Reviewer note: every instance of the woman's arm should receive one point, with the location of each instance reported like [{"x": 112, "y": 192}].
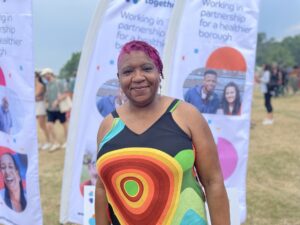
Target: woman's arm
[
  {"x": 207, "y": 164},
  {"x": 39, "y": 90},
  {"x": 101, "y": 204}
]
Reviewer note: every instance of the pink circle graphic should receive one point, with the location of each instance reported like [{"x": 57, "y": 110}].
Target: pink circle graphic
[
  {"x": 228, "y": 157},
  {"x": 2, "y": 78}
]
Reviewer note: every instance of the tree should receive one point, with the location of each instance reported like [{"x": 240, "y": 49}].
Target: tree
[
  {"x": 71, "y": 66},
  {"x": 293, "y": 44},
  {"x": 271, "y": 51}
]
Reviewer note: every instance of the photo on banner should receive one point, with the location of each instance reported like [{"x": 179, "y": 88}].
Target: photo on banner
[
  {"x": 13, "y": 169},
  {"x": 109, "y": 97},
  {"x": 218, "y": 88},
  {"x": 19, "y": 178},
  {"x": 11, "y": 107},
  {"x": 211, "y": 65}
]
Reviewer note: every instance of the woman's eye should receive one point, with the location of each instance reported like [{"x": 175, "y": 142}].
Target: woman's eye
[
  {"x": 126, "y": 72},
  {"x": 148, "y": 69}
]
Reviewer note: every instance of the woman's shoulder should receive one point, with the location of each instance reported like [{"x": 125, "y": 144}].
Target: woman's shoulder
[
  {"x": 105, "y": 126},
  {"x": 187, "y": 108},
  {"x": 187, "y": 115}
]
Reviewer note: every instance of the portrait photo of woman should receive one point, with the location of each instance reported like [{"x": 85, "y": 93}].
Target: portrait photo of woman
[
  {"x": 231, "y": 100},
  {"x": 13, "y": 192}
]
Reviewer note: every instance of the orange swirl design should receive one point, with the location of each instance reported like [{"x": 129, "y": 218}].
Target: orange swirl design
[{"x": 155, "y": 182}]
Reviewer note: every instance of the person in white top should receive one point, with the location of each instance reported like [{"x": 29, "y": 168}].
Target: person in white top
[
  {"x": 264, "y": 80},
  {"x": 40, "y": 108}
]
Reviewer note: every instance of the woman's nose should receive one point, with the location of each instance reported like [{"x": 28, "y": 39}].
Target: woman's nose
[{"x": 138, "y": 75}]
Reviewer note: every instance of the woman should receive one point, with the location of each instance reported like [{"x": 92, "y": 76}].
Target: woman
[
  {"x": 231, "y": 101},
  {"x": 14, "y": 195},
  {"x": 40, "y": 108},
  {"x": 267, "y": 92},
  {"x": 148, "y": 149}
]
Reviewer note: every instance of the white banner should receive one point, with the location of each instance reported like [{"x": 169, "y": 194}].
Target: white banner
[
  {"x": 97, "y": 92},
  {"x": 19, "y": 184},
  {"x": 212, "y": 68}
]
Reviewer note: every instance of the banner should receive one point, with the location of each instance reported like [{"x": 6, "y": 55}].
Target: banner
[
  {"x": 97, "y": 91},
  {"x": 19, "y": 183},
  {"x": 211, "y": 65}
]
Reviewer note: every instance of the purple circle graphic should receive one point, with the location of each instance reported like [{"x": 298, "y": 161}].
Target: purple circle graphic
[{"x": 228, "y": 157}]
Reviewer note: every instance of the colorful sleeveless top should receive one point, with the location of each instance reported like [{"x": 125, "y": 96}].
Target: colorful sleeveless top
[{"x": 149, "y": 177}]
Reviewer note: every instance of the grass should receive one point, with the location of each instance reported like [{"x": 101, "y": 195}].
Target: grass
[{"x": 273, "y": 180}]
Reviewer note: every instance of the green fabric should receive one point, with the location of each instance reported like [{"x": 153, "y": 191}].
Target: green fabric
[
  {"x": 131, "y": 188},
  {"x": 189, "y": 199},
  {"x": 186, "y": 159}
]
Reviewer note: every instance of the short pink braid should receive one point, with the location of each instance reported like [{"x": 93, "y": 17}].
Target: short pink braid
[{"x": 150, "y": 51}]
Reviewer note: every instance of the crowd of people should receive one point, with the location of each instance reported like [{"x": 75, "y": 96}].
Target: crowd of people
[
  {"x": 50, "y": 92},
  {"x": 275, "y": 82}
]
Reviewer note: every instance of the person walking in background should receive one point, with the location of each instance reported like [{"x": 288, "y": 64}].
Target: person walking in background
[
  {"x": 204, "y": 98},
  {"x": 231, "y": 100},
  {"x": 40, "y": 108},
  {"x": 275, "y": 79},
  {"x": 55, "y": 92},
  {"x": 294, "y": 76},
  {"x": 267, "y": 92},
  {"x": 5, "y": 117}
]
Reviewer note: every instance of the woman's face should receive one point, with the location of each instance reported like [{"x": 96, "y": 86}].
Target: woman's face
[
  {"x": 230, "y": 94},
  {"x": 9, "y": 172},
  {"x": 139, "y": 77}
]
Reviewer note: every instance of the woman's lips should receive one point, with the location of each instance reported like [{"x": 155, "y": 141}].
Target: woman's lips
[
  {"x": 9, "y": 180},
  {"x": 139, "y": 87}
]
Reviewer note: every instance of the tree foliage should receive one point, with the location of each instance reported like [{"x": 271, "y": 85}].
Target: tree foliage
[
  {"x": 71, "y": 66},
  {"x": 285, "y": 52}
]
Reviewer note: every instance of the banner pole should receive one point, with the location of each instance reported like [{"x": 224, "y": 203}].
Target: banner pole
[
  {"x": 86, "y": 54},
  {"x": 170, "y": 44}
]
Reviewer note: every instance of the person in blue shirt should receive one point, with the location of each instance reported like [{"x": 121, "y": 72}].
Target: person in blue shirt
[
  {"x": 5, "y": 117},
  {"x": 109, "y": 103},
  {"x": 203, "y": 97}
]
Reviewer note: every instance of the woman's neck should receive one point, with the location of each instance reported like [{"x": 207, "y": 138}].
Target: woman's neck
[
  {"x": 15, "y": 199},
  {"x": 148, "y": 107},
  {"x": 15, "y": 194},
  {"x": 230, "y": 107}
]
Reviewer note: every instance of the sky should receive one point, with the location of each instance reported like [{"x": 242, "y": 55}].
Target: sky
[{"x": 60, "y": 26}]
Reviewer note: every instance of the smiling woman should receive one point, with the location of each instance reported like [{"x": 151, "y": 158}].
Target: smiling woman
[
  {"x": 149, "y": 148},
  {"x": 231, "y": 100},
  {"x": 13, "y": 193}
]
